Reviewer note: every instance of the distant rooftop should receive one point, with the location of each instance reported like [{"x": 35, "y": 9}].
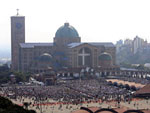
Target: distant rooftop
[
  {"x": 128, "y": 69},
  {"x": 32, "y": 45},
  {"x": 17, "y": 16},
  {"x": 106, "y": 44}
]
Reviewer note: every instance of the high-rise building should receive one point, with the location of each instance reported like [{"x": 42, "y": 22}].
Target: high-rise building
[
  {"x": 118, "y": 45},
  {"x": 138, "y": 43},
  {"x": 128, "y": 42}
]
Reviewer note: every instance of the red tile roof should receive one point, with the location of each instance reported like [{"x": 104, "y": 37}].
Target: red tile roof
[{"x": 144, "y": 90}]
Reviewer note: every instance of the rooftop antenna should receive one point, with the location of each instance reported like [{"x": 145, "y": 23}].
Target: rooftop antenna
[{"x": 17, "y": 12}]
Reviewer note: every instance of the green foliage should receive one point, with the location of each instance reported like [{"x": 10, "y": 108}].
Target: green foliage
[
  {"x": 4, "y": 68},
  {"x": 4, "y": 103},
  {"x": 20, "y": 77},
  {"x": 6, "y": 106},
  {"x": 5, "y": 73}
]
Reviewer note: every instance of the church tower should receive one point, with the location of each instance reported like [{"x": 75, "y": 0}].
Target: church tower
[{"x": 17, "y": 37}]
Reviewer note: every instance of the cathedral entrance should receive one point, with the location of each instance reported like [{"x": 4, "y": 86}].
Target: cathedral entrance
[{"x": 85, "y": 57}]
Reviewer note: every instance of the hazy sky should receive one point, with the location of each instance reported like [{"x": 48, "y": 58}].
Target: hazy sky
[{"x": 95, "y": 20}]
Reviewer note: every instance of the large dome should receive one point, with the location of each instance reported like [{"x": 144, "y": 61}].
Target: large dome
[
  {"x": 66, "y": 31},
  {"x": 105, "y": 56},
  {"x": 45, "y": 57}
]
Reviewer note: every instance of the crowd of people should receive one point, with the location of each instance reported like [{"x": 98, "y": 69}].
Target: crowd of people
[
  {"x": 69, "y": 92},
  {"x": 72, "y": 91},
  {"x": 140, "y": 80}
]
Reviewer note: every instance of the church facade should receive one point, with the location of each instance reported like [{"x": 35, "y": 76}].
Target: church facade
[{"x": 66, "y": 51}]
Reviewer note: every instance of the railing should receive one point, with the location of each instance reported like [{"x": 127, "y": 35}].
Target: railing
[{"x": 110, "y": 110}]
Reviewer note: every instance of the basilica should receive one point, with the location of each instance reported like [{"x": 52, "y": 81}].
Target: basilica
[{"x": 66, "y": 50}]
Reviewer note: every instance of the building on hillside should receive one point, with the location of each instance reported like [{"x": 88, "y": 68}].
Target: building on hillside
[
  {"x": 66, "y": 51},
  {"x": 118, "y": 45},
  {"x": 128, "y": 42},
  {"x": 138, "y": 43}
]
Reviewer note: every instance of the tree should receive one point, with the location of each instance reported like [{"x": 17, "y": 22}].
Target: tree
[
  {"x": 4, "y": 74},
  {"x": 6, "y": 106}
]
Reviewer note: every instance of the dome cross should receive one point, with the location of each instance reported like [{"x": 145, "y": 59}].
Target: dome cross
[{"x": 17, "y": 12}]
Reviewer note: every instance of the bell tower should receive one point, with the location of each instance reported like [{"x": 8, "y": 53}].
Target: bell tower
[{"x": 17, "y": 37}]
